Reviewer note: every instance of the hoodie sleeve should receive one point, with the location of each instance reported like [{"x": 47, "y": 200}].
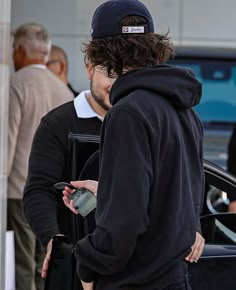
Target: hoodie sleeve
[
  {"x": 198, "y": 209},
  {"x": 123, "y": 197},
  {"x": 199, "y": 199},
  {"x": 231, "y": 163}
]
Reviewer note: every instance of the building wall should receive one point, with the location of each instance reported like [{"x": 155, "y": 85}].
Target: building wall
[
  {"x": 191, "y": 22},
  {"x": 4, "y": 88}
]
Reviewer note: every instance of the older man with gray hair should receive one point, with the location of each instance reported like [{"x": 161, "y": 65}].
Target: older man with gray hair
[{"x": 34, "y": 91}]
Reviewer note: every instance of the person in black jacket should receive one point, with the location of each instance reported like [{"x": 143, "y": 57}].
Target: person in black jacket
[
  {"x": 151, "y": 178},
  {"x": 48, "y": 164}
]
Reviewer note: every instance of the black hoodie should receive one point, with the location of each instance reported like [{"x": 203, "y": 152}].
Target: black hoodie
[{"x": 150, "y": 184}]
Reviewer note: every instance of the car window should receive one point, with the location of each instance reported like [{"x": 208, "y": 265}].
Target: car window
[
  {"x": 219, "y": 228},
  {"x": 217, "y": 224},
  {"x": 218, "y": 78}
]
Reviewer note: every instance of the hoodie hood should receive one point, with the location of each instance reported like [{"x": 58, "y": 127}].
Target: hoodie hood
[{"x": 178, "y": 85}]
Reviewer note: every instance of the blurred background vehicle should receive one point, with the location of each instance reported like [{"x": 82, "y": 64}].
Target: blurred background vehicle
[{"x": 216, "y": 69}]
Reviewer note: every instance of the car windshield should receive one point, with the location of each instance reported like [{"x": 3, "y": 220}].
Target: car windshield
[{"x": 218, "y": 104}]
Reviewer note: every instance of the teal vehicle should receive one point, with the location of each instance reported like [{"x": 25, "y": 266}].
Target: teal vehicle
[{"x": 216, "y": 69}]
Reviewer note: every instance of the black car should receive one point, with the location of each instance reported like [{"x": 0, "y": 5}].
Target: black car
[
  {"x": 216, "y": 69},
  {"x": 216, "y": 269}
]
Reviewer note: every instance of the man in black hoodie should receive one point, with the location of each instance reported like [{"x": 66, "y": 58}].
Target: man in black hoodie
[{"x": 151, "y": 170}]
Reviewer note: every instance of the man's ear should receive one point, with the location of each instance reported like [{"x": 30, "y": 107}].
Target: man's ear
[
  {"x": 89, "y": 69},
  {"x": 62, "y": 68},
  {"x": 21, "y": 49}
]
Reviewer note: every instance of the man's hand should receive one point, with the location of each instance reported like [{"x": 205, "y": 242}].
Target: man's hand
[
  {"x": 87, "y": 286},
  {"x": 47, "y": 260},
  {"x": 69, "y": 204},
  {"x": 91, "y": 185},
  {"x": 232, "y": 206},
  {"x": 197, "y": 249}
]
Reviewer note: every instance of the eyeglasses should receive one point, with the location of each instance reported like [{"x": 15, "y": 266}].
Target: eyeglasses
[{"x": 52, "y": 61}]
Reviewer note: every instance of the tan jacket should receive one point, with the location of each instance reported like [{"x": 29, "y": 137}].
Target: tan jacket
[{"x": 33, "y": 92}]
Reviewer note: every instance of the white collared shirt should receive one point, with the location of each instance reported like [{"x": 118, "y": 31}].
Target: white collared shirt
[
  {"x": 42, "y": 66},
  {"x": 82, "y": 107}
]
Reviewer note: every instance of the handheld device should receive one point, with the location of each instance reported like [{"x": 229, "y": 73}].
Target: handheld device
[{"x": 84, "y": 200}]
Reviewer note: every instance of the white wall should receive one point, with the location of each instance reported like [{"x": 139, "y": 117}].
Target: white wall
[
  {"x": 209, "y": 21},
  {"x": 191, "y": 22},
  {"x": 5, "y": 6}
]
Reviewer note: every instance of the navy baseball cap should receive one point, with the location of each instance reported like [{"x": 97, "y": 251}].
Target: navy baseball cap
[{"x": 107, "y": 18}]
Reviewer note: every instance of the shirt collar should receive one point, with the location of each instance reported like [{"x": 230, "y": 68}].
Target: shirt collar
[
  {"x": 82, "y": 107},
  {"x": 42, "y": 66}
]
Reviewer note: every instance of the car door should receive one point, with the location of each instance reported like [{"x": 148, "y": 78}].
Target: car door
[{"x": 216, "y": 269}]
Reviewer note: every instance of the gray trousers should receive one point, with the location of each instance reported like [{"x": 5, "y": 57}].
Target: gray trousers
[{"x": 29, "y": 254}]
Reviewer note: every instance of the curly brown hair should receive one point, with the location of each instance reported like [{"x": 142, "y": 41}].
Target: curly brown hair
[{"x": 122, "y": 52}]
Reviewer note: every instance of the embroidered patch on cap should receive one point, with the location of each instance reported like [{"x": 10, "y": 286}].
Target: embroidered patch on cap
[{"x": 133, "y": 29}]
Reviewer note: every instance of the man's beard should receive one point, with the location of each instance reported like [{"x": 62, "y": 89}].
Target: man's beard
[{"x": 98, "y": 99}]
